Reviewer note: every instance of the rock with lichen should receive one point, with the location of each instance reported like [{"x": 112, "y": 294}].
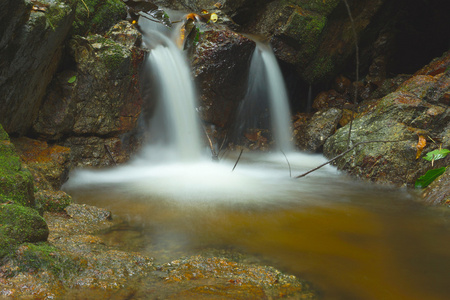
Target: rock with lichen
[{"x": 415, "y": 108}]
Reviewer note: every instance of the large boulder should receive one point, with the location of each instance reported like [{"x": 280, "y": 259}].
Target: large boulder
[
  {"x": 16, "y": 183},
  {"x": 220, "y": 63},
  {"x": 101, "y": 97},
  {"x": 417, "y": 107},
  {"x": 314, "y": 36},
  {"x": 30, "y": 50}
]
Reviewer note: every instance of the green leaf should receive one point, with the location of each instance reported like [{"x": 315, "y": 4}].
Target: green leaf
[
  {"x": 429, "y": 177},
  {"x": 436, "y": 154},
  {"x": 72, "y": 79}
]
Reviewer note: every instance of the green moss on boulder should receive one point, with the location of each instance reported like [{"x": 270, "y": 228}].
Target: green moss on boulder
[
  {"x": 16, "y": 183},
  {"x": 19, "y": 224}
]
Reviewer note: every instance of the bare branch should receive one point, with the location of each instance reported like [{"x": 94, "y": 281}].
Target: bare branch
[
  {"x": 290, "y": 171},
  {"x": 342, "y": 154},
  {"x": 239, "y": 157},
  {"x": 355, "y": 94}
]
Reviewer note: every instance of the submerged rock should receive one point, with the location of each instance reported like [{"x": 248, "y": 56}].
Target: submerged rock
[{"x": 223, "y": 278}]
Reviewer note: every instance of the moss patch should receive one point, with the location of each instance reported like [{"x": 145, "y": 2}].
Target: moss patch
[
  {"x": 20, "y": 224},
  {"x": 16, "y": 183},
  {"x": 42, "y": 257},
  {"x": 101, "y": 16}
]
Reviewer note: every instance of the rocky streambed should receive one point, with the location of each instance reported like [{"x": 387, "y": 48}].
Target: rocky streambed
[{"x": 76, "y": 263}]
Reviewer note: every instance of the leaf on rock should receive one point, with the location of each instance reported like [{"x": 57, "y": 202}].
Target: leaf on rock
[
  {"x": 420, "y": 145},
  {"x": 72, "y": 79},
  {"x": 429, "y": 177},
  {"x": 436, "y": 154}
]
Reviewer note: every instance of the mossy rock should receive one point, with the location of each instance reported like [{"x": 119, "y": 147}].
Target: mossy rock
[
  {"x": 19, "y": 224},
  {"x": 101, "y": 16},
  {"x": 53, "y": 201},
  {"x": 16, "y": 183}
]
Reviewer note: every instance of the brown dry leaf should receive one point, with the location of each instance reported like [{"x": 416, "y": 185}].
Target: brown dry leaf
[{"x": 420, "y": 145}]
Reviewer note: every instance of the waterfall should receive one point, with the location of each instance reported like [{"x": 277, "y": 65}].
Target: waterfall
[
  {"x": 266, "y": 99},
  {"x": 175, "y": 127}
]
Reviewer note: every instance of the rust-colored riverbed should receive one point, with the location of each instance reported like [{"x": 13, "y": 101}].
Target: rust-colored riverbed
[{"x": 350, "y": 240}]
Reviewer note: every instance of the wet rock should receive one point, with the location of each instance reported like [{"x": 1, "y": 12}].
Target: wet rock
[
  {"x": 220, "y": 64},
  {"x": 104, "y": 98},
  {"x": 85, "y": 213},
  {"x": 223, "y": 278},
  {"x": 73, "y": 259},
  {"x": 30, "y": 50},
  {"x": 323, "y": 124},
  {"x": 16, "y": 183},
  {"x": 49, "y": 166},
  {"x": 19, "y": 224},
  {"x": 438, "y": 192},
  {"x": 400, "y": 117},
  {"x": 52, "y": 200},
  {"x": 96, "y": 151}
]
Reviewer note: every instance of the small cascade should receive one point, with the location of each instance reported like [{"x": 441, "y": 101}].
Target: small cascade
[
  {"x": 266, "y": 99},
  {"x": 175, "y": 127}
]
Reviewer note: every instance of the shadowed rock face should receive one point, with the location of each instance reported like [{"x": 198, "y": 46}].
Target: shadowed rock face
[
  {"x": 221, "y": 61},
  {"x": 30, "y": 50}
]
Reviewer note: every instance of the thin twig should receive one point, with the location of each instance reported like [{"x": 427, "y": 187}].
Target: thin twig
[
  {"x": 214, "y": 155},
  {"x": 343, "y": 153},
  {"x": 223, "y": 143},
  {"x": 110, "y": 154},
  {"x": 290, "y": 172},
  {"x": 239, "y": 157},
  {"x": 355, "y": 94}
]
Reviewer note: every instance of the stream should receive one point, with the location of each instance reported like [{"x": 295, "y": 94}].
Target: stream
[{"x": 349, "y": 239}]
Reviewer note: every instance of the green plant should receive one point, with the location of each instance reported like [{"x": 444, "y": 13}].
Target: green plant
[{"x": 431, "y": 175}]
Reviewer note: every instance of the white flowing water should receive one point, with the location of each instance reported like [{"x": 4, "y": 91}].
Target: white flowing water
[
  {"x": 267, "y": 91},
  {"x": 278, "y": 98},
  {"x": 175, "y": 128}
]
